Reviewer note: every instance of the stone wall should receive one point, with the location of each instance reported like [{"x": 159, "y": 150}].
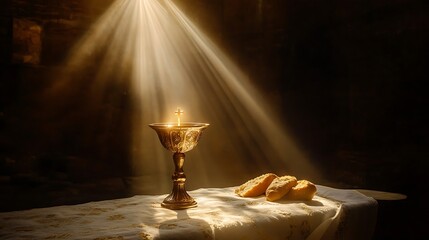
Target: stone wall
[{"x": 39, "y": 157}]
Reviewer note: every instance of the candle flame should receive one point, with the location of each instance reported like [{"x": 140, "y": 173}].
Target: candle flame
[{"x": 178, "y": 112}]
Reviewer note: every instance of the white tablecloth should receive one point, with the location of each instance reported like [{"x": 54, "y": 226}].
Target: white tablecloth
[{"x": 333, "y": 214}]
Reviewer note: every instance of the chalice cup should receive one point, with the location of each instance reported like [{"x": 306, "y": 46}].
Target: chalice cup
[{"x": 179, "y": 139}]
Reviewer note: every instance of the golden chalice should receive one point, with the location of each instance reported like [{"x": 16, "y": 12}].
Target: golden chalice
[{"x": 179, "y": 138}]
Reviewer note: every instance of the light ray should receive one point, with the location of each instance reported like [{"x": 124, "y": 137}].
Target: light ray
[{"x": 152, "y": 48}]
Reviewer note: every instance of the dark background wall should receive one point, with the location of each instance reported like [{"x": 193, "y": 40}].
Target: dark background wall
[{"x": 347, "y": 77}]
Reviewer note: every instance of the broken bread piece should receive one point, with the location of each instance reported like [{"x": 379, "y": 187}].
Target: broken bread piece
[
  {"x": 256, "y": 186},
  {"x": 279, "y": 187},
  {"x": 303, "y": 191}
]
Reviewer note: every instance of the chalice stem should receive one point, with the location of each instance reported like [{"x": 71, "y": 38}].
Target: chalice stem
[
  {"x": 179, "y": 160},
  {"x": 179, "y": 198}
]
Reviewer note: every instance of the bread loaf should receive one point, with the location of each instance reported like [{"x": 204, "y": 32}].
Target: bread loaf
[
  {"x": 256, "y": 186},
  {"x": 279, "y": 187},
  {"x": 303, "y": 191}
]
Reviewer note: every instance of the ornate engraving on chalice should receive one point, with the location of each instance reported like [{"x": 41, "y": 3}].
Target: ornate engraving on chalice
[{"x": 179, "y": 138}]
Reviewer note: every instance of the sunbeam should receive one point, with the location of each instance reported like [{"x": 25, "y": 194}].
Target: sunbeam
[{"x": 150, "y": 54}]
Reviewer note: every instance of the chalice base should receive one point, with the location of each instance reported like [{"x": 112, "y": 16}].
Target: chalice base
[{"x": 179, "y": 198}]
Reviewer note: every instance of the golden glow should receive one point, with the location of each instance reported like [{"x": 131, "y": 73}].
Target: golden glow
[
  {"x": 151, "y": 47},
  {"x": 178, "y": 113}
]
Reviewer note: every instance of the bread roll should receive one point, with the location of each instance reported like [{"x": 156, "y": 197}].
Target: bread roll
[
  {"x": 256, "y": 186},
  {"x": 303, "y": 191},
  {"x": 279, "y": 187}
]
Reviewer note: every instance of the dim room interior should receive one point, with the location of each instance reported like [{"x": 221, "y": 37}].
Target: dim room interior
[{"x": 92, "y": 92}]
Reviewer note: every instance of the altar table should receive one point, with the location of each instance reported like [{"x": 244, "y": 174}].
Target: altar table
[{"x": 332, "y": 214}]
